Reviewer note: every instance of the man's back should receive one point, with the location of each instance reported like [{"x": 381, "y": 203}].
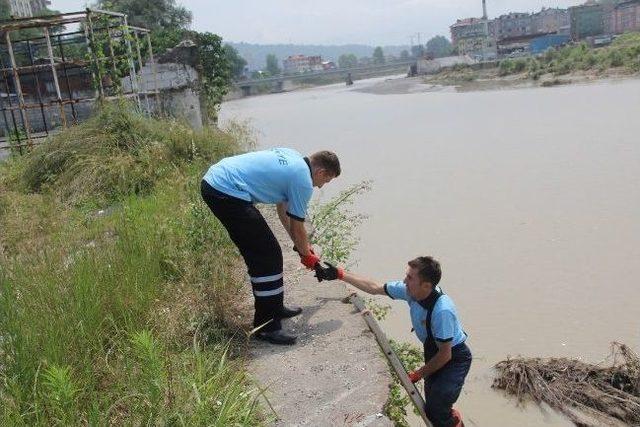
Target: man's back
[{"x": 269, "y": 176}]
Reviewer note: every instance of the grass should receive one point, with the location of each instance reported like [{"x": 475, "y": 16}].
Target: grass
[
  {"x": 623, "y": 53},
  {"x": 118, "y": 288},
  {"x": 412, "y": 358}
]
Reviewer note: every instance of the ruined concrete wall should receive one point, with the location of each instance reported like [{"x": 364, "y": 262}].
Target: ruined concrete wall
[
  {"x": 177, "y": 81},
  {"x": 177, "y": 85}
]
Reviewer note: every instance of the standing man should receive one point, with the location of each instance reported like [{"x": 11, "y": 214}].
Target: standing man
[
  {"x": 435, "y": 322},
  {"x": 283, "y": 177}
]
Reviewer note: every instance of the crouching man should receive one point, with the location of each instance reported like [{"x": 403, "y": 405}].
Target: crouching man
[{"x": 435, "y": 322}]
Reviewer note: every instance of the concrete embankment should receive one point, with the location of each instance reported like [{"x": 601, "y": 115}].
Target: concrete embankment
[{"x": 335, "y": 374}]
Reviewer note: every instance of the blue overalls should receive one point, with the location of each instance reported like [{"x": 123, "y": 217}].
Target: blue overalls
[{"x": 442, "y": 388}]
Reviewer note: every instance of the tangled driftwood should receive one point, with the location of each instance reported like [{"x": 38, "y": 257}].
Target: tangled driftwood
[{"x": 605, "y": 394}]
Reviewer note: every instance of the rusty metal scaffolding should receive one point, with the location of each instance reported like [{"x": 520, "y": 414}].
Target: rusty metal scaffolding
[{"x": 44, "y": 68}]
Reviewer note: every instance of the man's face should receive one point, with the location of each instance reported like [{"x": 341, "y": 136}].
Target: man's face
[
  {"x": 322, "y": 177},
  {"x": 415, "y": 286}
]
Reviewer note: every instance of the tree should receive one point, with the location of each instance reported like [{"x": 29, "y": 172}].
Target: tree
[
  {"x": 439, "y": 46},
  {"x": 215, "y": 74},
  {"x": 378, "y": 56},
  {"x": 347, "y": 61},
  {"x": 235, "y": 61},
  {"x": 151, "y": 14},
  {"x": 417, "y": 51},
  {"x": 5, "y": 9},
  {"x": 404, "y": 55},
  {"x": 272, "y": 65}
]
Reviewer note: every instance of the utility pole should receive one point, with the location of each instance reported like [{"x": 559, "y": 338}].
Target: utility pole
[{"x": 485, "y": 36}]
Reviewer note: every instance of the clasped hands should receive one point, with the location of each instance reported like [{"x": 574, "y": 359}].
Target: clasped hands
[{"x": 328, "y": 272}]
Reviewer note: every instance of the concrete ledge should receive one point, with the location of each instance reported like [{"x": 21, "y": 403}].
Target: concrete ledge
[{"x": 335, "y": 374}]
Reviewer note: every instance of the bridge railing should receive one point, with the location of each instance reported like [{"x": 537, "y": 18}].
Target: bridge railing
[{"x": 338, "y": 71}]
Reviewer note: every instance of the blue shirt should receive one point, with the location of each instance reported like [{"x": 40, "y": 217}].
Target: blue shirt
[
  {"x": 445, "y": 325},
  {"x": 270, "y": 176}
]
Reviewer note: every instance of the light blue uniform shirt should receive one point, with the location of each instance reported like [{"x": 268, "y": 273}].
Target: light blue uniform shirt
[
  {"x": 445, "y": 325},
  {"x": 270, "y": 176}
]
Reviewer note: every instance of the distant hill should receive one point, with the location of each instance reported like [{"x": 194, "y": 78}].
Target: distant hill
[{"x": 256, "y": 54}]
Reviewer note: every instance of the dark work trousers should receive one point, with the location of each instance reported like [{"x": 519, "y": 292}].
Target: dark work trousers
[
  {"x": 259, "y": 248},
  {"x": 441, "y": 390}
]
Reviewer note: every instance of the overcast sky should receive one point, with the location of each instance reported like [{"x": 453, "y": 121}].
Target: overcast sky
[{"x": 372, "y": 22}]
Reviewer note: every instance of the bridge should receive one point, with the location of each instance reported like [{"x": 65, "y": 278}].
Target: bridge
[{"x": 276, "y": 83}]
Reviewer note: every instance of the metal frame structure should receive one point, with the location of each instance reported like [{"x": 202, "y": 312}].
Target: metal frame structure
[{"x": 106, "y": 40}]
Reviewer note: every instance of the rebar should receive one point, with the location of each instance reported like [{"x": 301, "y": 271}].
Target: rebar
[
  {"x": 117, "y": 30},
  {"x": 16, "y": 80},
  {"x": 63, "y": 116},
  {"x": 66, "y": 78},
  {"x": 139, "y": 76},
  {"x": 37, "y": 80}
]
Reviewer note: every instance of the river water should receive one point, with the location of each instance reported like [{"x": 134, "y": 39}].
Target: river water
[{"x": 530, "y": 199}]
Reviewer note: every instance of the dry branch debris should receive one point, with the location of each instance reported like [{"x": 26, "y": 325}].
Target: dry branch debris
[{"x": 606, "y": 394}]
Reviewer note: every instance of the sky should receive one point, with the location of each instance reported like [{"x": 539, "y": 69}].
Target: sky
[{"x": 336, "y": 22}]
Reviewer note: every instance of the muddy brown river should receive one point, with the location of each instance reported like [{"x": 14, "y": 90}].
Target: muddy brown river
[{"x": 530, "y": 198}]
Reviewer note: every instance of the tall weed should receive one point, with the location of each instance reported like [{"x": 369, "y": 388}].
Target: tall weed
[{"x": 334, "y": 224}]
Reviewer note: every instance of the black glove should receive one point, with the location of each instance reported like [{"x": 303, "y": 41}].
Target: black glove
[{"x": 330, "y": 272}]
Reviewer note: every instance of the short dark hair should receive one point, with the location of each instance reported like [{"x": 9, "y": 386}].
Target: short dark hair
[
  {"x": 428, "y": 269},
  {"x": 327, "y": 160}
]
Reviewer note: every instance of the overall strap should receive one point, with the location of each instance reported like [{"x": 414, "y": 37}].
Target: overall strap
[{"x": 430, "y": 346}]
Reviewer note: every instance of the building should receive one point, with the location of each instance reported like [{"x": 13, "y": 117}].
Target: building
[
  {"x": 27, "y": 8},
  {"x": 474, "y": 37},
  {"x": 551, "y": 21},
  {"x": 515, "y": 31},
  {"x": 517, "y": 25},
  {"x": 625, "y": 17},
  {"x": 514, "y": 25},
  {"x": 328, "y": 65},
  {"x": 591, "y": 19},
  {"x": 38, "y": 5},
  {"x": 302, "y": 64},
  {"x": 20, "y": 8}
]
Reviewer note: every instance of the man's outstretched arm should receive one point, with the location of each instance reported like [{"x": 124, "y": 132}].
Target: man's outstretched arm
[{"x": 364, "y": 284}]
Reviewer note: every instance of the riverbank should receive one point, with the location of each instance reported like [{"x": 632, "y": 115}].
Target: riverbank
[
  {"x": 484, "y": 80},
  {"x": 491, "y": 79},
  {"x": 118, "y": 289},
  {"x": 123, "y": 301},
  {"x": 335, "y": 374},
  {"x": 573, "y": 63}
]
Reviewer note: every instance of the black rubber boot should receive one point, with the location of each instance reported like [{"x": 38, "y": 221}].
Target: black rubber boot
[
  {"x": 278, "y": 337},
  {"x": 286, "y": 312}
]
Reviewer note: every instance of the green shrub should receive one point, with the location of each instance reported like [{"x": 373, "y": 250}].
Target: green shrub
[
  {"x": 506, "y": 67},
  {"x": 616, "y": 58},
  {"x": 118, "y": 152}
]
